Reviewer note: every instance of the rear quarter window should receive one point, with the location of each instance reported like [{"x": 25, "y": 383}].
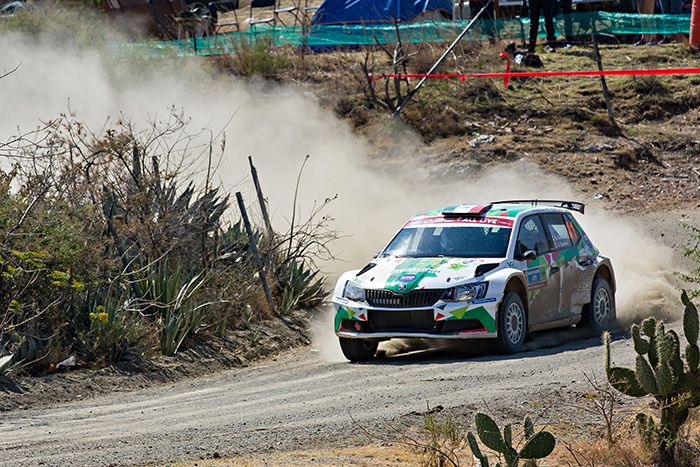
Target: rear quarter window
[
  {"x": 558, "y": 230},
  {"x": 574, "y": 234}
]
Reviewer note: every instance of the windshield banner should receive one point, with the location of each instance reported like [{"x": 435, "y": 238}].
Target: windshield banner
[{"x": 440, "y": 220}]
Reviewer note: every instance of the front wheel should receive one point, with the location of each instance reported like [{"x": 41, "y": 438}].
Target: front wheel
[
  {"x": 512, "y": 324},
  {"x": 358, "y": 350},
  {"x": 599, "y": 315}
]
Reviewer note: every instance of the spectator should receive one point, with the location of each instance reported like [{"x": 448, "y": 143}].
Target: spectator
[
  {"x": 487, "y": 21},
  {"x": 673, "y": 7},
  {"x": 565, "y": 6},
  {"x": 646, "y": 7},
  {"x": 546, "y": 9}
]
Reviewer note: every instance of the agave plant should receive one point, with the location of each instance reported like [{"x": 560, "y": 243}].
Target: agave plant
[
  {"x": 172, "y": 296},
  {"x": 299, "y": 286}
]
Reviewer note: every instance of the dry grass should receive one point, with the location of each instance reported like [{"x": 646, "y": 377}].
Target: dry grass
[{"x": 370, "y": 455}]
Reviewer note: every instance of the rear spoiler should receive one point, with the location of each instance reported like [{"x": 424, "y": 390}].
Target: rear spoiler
[{"x": 570, "y": 205}]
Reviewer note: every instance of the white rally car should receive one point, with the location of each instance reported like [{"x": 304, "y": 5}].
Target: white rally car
[{"x": 496, "y": 271}]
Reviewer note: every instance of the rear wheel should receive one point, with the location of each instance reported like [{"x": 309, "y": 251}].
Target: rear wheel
[
  {"x": 512, "y": 324},
  {"x": 599, "y": 315},
  {"x": 358, "y": 350}
]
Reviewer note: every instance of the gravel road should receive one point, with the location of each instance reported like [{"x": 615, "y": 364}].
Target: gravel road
[
  {"x": 303, "y": 399},
  {"x": 298, "y": 399}
]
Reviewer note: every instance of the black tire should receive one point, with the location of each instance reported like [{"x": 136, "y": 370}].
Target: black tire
[
  {"x": 600, "y": 314},
  {"x": 358, "y": 350},
  {"x": 511, "y": 325}
]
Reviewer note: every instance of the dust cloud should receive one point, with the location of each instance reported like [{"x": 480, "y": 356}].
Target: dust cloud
[{"x": 279, "y": 125}]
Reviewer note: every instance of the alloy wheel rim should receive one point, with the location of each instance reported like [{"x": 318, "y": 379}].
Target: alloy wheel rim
[
  {"x": 602, "y": 306},
  {"x": 515, "y": 323}
]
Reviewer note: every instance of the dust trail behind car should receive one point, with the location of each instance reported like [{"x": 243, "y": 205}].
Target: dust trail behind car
[{"x": 381, "y": 181}]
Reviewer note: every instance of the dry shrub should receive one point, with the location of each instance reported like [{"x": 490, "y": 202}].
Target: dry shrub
[
  {"x": 648, "y": 85},
  {"x": 628, "y": 451},
  {"x": 424, "y": 56},
  {"x": 261, "y": 58}
]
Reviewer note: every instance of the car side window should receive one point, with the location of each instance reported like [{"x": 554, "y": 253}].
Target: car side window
[
  {"x": 558, "y": 231},
  {"x": 571, "y": 228},
  {"x": 531, "y": 236}
]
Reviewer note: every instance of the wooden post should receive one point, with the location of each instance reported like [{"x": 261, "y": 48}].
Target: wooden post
[
  {"x": 603, "y": 83},
  {"x": 256, "y": 253},
  {"x": 261, "y": 199}
]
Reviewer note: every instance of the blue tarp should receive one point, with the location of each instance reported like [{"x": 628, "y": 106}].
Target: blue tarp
[{"x": 375, "y": 11}]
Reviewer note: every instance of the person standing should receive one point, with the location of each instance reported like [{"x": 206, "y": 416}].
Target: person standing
[
  {"x": 543, "y": 8},
  {"x": 565, "y": 6},
  {"x": 646, "y": 7},
  {"x": 487, "y": 21}
]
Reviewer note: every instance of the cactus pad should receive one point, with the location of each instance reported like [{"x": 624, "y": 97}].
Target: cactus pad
[
  {"x": 539, "y": 446},
  {"x": 489, "y": 434}
]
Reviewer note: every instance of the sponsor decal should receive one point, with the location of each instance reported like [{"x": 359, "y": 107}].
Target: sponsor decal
[
  {"x": 407, "y": 278},
  {"x": 534, "y": 276},
  {"x": 482, "y": 300},
  {"x": 433, "y": 220},
  {"x": 402, "y": 286},
  {"x": 417, "y": 270}
]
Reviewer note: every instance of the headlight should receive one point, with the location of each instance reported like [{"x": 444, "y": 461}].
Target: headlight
[
  {"x": 466, "y": 292},
  {"x": 354, "y": 292}
]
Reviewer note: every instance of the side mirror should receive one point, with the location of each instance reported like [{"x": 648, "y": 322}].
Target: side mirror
[
  {"x": 375, "y": 254},
  {"x": 529, "y": 255}
]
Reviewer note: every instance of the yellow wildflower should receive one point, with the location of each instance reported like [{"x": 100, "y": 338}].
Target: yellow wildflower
[{"x": 104, "y": 317}]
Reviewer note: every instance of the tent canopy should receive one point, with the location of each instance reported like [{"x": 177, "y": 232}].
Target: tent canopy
[{"x": 377, "y": 11}]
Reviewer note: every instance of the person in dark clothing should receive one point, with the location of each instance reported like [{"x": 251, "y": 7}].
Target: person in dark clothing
[
  {"x": 487, "y": 20},
  {"x": 565, "y": 6},
  {"x": 544, "y": 8}
]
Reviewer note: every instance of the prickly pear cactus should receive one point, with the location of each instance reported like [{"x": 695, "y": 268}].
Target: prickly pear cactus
[
  {"x": 538, "y": 445},
  {"x": 660, "y": 371}
]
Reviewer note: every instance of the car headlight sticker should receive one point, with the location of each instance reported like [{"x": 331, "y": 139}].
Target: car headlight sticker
[
  {"x": 354, "y": 292},
  {"x": 466, "y": 292}
]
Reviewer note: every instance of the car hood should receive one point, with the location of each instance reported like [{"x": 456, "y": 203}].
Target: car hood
[{"x": 402, "y": 275}]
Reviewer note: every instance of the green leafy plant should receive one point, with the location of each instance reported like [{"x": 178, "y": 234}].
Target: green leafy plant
[
  {"x": 259, "y": 58},
  {"x": 299, "y": 286},
  {"x": 661, "y": 373},
  {"x": 173, "y": 296},
  {"x": 445, "y": 439},
  {"x": 535, "y": 445},
  {"x": 105, "y": 328}
]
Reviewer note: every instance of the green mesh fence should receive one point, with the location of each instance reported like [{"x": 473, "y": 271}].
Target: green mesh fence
[{"x": 331, "y": 36}]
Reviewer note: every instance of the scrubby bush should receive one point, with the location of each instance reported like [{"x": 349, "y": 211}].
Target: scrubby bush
[
  {"x": 108, "y": 245},
  {"x": 259, "y": 58}
]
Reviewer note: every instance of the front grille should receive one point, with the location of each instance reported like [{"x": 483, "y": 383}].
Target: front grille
[
  {"x": 414, "y": 299},
  {"x": 404, "y": 320}
]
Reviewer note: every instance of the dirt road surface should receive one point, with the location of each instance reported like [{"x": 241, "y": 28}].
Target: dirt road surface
[
  {"x": 298, "y": 399},
  {"x": 303, "y": 399}
]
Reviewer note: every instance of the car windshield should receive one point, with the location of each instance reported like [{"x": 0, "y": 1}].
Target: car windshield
[{"x": 454, "y": 241}]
